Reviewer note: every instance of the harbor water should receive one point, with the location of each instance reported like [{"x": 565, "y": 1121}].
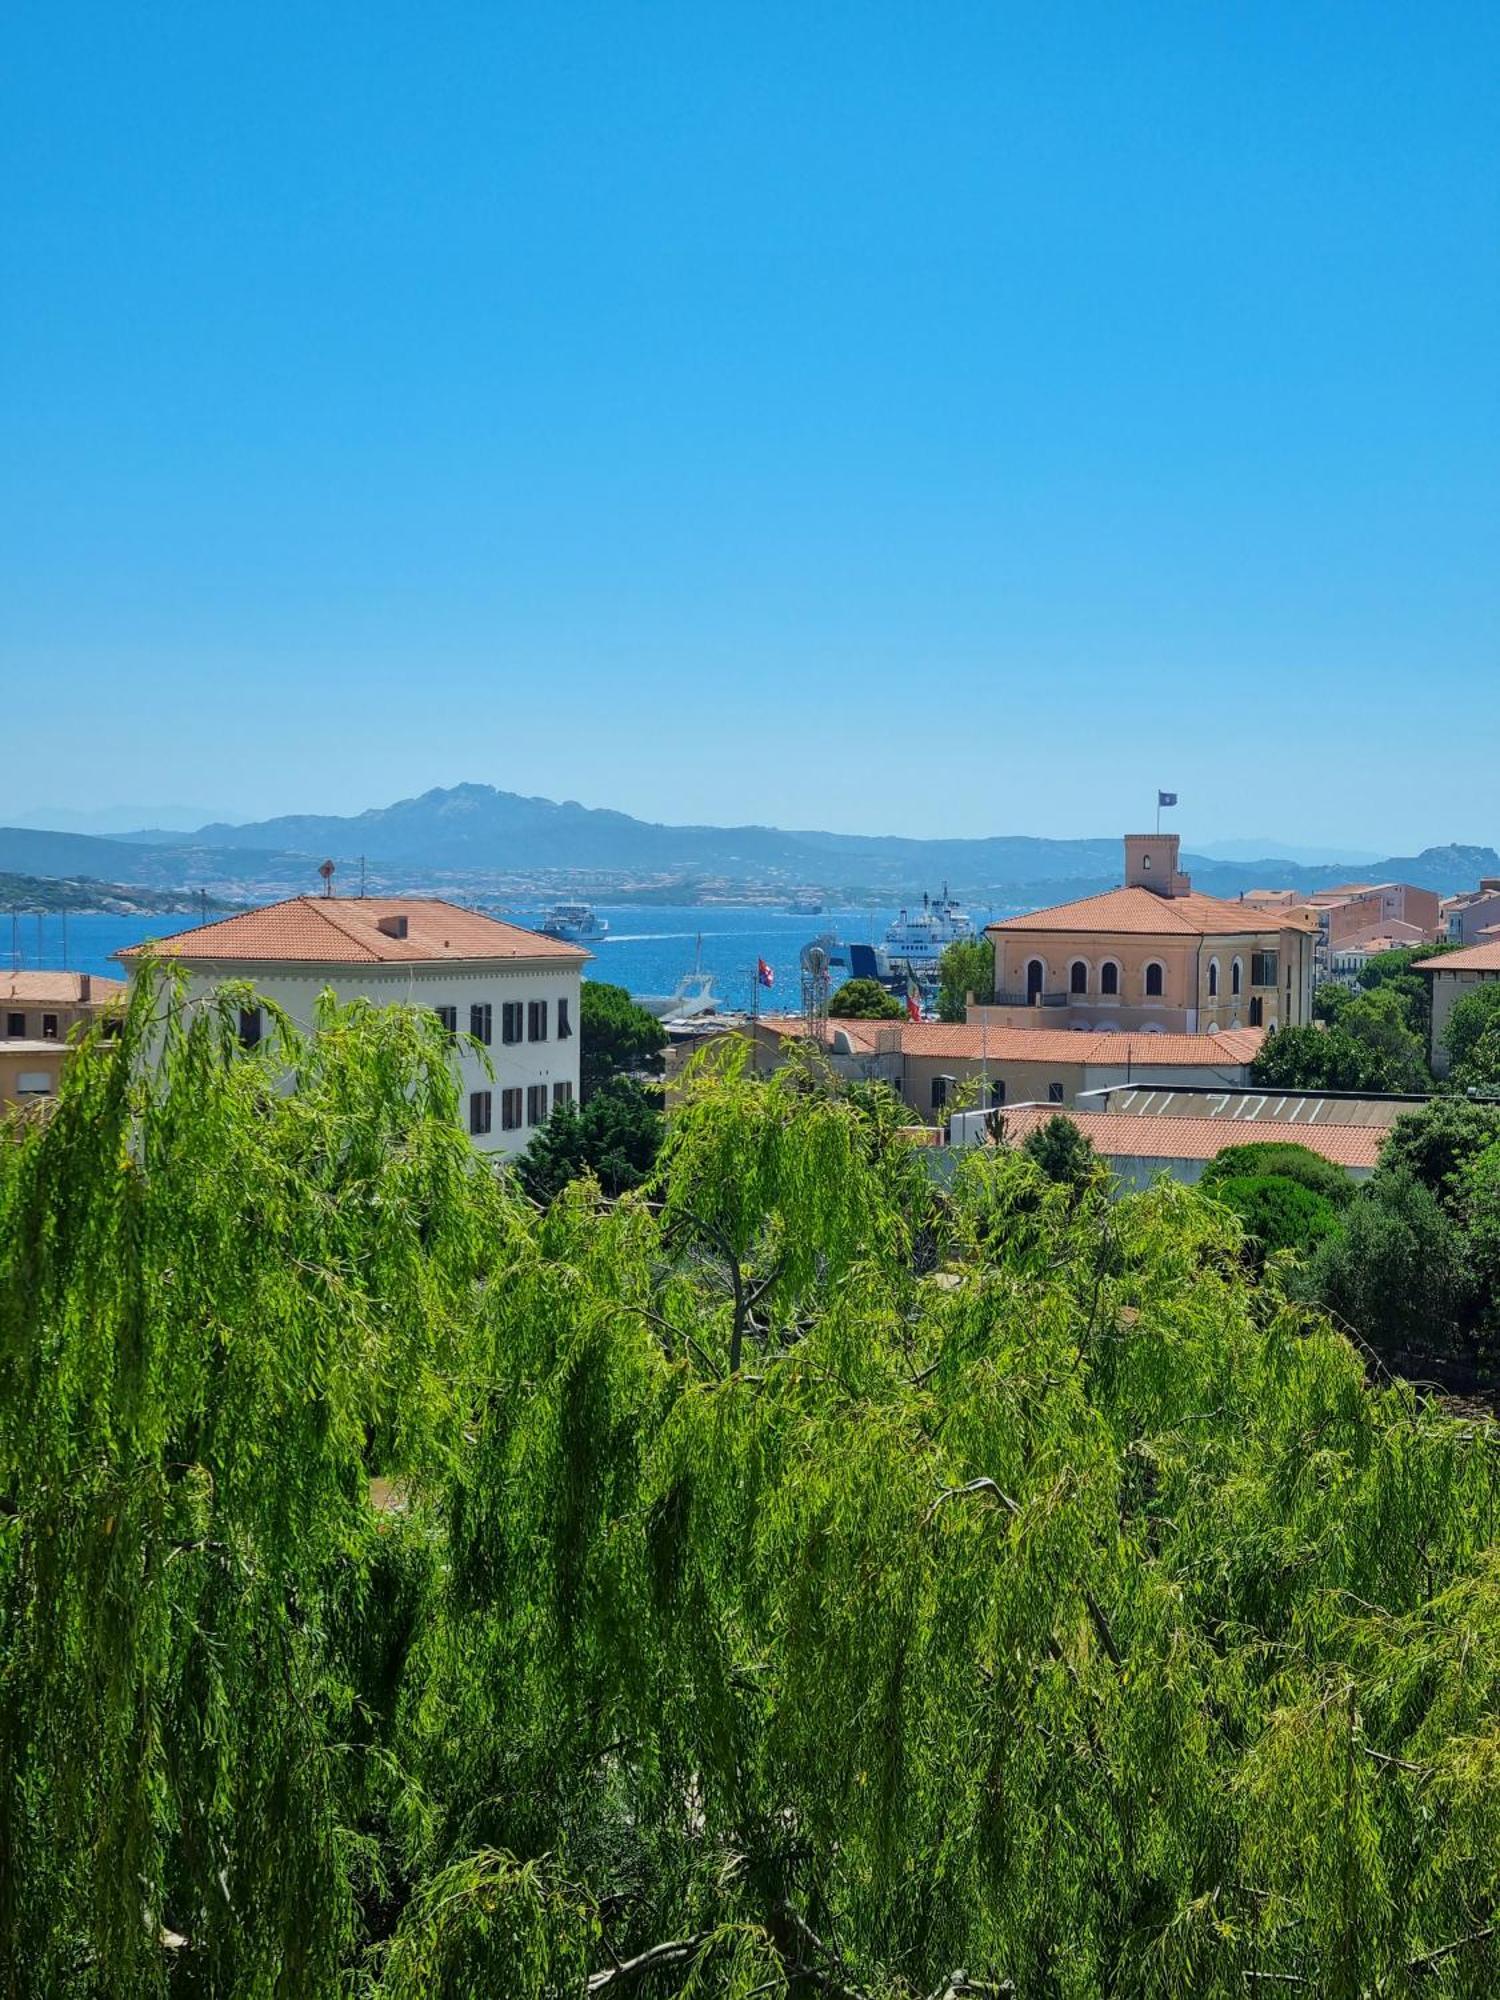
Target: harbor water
[{"x": 648, "y": 950}]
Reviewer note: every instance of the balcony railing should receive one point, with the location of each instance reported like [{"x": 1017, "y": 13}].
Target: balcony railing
[{"x": 1031, "y": 1000}]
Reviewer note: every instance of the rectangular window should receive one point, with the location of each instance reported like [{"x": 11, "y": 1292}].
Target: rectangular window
[
  {"x": 564, "y": 1025},
  {"x": 997, "y": 1091},
  {"x": 447, "y": 1020},
  {"x": 510, "y": 1021},
  {"x": 510, "y": 1110},
  {"x": 536, "y": 1020},
  {"x": 480, "y": 1112},
  {"x": 1054, "y": 1093},
  {"x": 15, "y": 1024},
  {"x": 562, "y": 1093},
  {"x": 49, "y": 1027},
  {"x": 480, "y": 1021},
  {"x": 250, "y": 1027},
  {"x": 536, "y": 1104},
  {"x": 939, "y": 1092},
  {"x": 1262, "y": 968},
  {"x": 1257, "y": 1012}
]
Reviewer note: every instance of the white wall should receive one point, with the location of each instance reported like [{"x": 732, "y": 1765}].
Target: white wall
[{"x": 516, "y": 1066}]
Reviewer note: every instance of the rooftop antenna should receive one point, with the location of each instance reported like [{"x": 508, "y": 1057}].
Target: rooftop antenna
[
  {"x": 815, "y": 984},
  {"x": 361, "y": 878},
  {"x": 327, "y": 871},
  {"x": 203, "y": 906}
]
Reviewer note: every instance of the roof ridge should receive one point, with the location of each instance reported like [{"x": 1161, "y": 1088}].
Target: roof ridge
[{"x": 321, "y": 905}]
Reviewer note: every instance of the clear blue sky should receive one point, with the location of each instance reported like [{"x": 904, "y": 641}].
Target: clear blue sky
[{"x": 924, "y": 418}]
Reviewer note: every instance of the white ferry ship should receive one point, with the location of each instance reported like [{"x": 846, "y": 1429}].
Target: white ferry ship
[
  {"x": 918, "y": 938},
  {"x": 575, "y": 922}
]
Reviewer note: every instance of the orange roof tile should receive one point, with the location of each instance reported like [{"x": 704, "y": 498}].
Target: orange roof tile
[
  {"x": 57, "y": 989},
  {"x": 970, "y": 1040},
  {"x": 345, "y": 930},
  {"x": 1143, "y": 913},
  {"x": 1474, "y": 958},
  {"x": 1123, "y": 1136}
]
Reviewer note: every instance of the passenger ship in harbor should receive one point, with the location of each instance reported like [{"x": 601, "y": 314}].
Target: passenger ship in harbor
[
  {"x": 577, "y": 923},
  {"x": 918, "y": 938}
]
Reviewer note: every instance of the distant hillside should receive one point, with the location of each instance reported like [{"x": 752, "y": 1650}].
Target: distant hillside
[
  {"x": 80, "y": 892},
  {"x": 461, "y": 836},
  {"x": 475, "y": 826},
  {"x": 179, "y": 863}
]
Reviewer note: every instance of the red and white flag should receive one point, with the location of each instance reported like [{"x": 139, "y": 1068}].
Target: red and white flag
[
  {"x": 764, "y": 976},
  {"x": 913, "y": 1001}
]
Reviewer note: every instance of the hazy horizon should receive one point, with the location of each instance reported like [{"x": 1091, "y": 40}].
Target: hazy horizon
[{"x": 900, "y": 422}]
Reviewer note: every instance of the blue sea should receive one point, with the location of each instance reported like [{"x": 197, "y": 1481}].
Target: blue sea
[{"x": 648, "y": 950}]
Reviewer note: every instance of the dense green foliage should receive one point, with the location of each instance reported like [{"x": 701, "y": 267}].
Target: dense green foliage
[
  {"x": 1410, "y": 1268},
  {"x": 865, "y": 1000},
  {"x": 1062, "y": 1151},
  {"x": 618, "y": 1037},
  {"x": 1380, "y": 1036},
  {"x": 967, "y": 966},
  {"x": 615, "y": 1135},
  {"x": 1287, "y": 1160},
  {"x": 1369, "y": 1046},
  {"x": 1437, "y": 1144},
  {"x": 1471, "y": 1036},
  {"x": 1277, "y": 1213},
  {"x": 740, "y": 1609}
]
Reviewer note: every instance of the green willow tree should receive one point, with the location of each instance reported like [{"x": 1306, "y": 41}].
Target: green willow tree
[{"x": 788, "y": 1579}]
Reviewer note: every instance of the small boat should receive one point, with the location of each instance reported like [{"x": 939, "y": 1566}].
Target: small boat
[
  {"x": 804, "y": 906},
  {"x": 692, "y": 997},
  {"x": 574, "y": 922}
]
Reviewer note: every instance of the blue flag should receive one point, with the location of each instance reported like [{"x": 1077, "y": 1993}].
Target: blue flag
[{"x": 1166, "y": 799}]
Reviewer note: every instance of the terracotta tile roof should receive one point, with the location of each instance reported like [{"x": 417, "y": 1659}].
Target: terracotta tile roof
[
  {"x": 1474, "y": 958},
  {"x": 56, "y": 989},
  {"x": 321, "y": 930},
  {"x": 1142, "y": 913},
  {"x": 969, "y": 1040},
  {"x": 1122, "y": 1136}
]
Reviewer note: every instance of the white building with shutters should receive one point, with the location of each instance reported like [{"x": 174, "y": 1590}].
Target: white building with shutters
[{"x": 514, "y": 990}]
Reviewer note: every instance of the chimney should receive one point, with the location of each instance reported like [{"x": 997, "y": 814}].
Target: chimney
[
  {"x": 85, "y": 988},
  {"x": 392, "y": 926},
  {"x": 1151, "y": 863}
]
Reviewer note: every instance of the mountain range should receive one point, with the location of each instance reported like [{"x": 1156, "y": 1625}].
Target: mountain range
[{"x": 471, "y": 835}]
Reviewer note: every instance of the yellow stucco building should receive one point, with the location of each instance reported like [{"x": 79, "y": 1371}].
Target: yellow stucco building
[{"x": 1153, "y": 955}]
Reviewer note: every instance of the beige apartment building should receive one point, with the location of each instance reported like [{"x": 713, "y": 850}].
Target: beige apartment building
[
  {"x": 30, "y": 1072},
  {"x": 1454, "y": 975},
  {"x": 1468, "y": 916},
  {"x": 48, "y": 1006},
  {"x": 1153, "y": 956}
]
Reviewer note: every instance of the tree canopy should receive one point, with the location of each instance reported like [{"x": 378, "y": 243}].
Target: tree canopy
[
  {"x": 790, "y": 1579},
  {"x": 618, "y": 1037},
  {"x": 967, "y": 966},
  {"x": 1286, "y": 1159},
  {"x": 864, "y": 1000},
  {"x": 1471, "y": 1036}
]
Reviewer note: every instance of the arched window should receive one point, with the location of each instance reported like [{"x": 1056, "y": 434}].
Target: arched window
[
  {"x": 1213, "y": 979},
  {"x": 1153, "y": 980},
  {"x": 1036, "y": 979},
  {"x": 1234, "y": 977},
  {"x": 1078, "y": 976},
  {"x": 1109, "y": 977},
  {"x": 1256, "y": 1012}
]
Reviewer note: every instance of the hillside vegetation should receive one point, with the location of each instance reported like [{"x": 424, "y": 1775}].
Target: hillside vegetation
[{"x": 781, "y": 1580}]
